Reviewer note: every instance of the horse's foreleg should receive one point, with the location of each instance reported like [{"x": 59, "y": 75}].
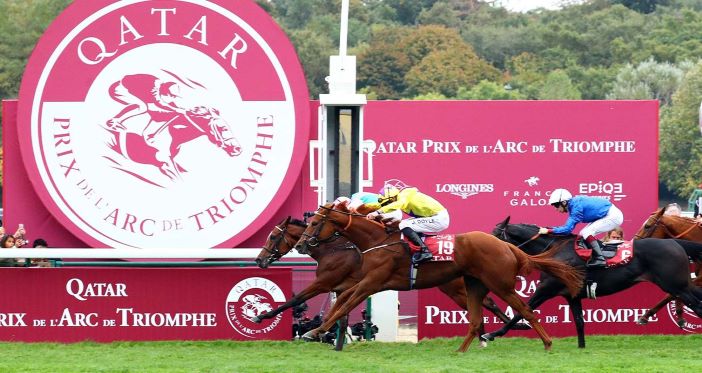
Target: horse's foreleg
[
  {"x": 476, "y": 293},
  {"x": 341, "y": 335},
  {"x": 360, "y": 292},
  {"x": 313, "y": 335},
  {"x": 315, "y": 288}
]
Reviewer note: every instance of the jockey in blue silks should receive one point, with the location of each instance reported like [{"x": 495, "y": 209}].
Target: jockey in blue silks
[{"x": 600, "y": 213}]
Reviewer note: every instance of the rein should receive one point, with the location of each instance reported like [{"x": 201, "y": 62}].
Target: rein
[
  {"x": 324, "y": 218},
  {"x": 503, "y": 236},
  {"x": 648, "y": 232}
]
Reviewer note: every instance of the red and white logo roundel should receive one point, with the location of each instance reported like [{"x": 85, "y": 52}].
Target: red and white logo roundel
[{"x": 153, "y": 124}]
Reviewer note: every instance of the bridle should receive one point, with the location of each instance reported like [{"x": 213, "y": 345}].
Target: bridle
[
  {"x": 503, "y": 236},
  {"x": 313, "y": 239},
  {"x": 275, "y": 253},
  {"x": 649, "y": 229}
]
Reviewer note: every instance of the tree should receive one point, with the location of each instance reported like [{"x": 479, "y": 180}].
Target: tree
[
  {"x": 558, "y": 86},
  {"x": 680, "y": 154},
  {"x": 383, "y": 65},
  {"x": 445, "y": 71},
  {"x": 642, "y": 6},
  {"x": 648, "y": 80},
  {"x": 487, "y": 90},
  {"x": 313, "y": 50}
]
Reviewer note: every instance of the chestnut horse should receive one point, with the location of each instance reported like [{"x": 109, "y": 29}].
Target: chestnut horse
[
  {"x": 339, "y": 268},
  {"x": 662, "y": 262},
  {"x": 483, "y": 262},
  {"x": 659, "y": 225}
]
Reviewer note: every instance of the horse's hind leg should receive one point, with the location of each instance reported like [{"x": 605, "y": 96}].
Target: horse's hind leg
[
  {"x": 643, "y": 320},
  {"x": 476, "y": 293},
  {"x": 519, "y": 306},
  {"x": 692, "y": 297}
]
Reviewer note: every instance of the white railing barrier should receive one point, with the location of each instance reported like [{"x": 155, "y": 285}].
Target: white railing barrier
[{"x": 137, "y": 253}]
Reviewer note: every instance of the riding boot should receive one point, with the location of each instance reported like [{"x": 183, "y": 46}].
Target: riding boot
[
  {"x": 597, "y": 260},
  {"x": 424, "y": 254}
]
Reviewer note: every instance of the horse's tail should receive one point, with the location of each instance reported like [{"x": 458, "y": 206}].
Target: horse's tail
[{"x": 568, "y": 275}]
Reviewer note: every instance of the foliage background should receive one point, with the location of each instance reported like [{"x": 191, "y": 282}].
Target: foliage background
[{"x": 472, "y": 49}]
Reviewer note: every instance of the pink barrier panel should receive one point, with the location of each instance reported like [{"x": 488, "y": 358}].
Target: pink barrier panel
[
  {"x": 615, "y": 314},
  {"x": 486, "y": 160},
  {"x": 112, "y": 304}
]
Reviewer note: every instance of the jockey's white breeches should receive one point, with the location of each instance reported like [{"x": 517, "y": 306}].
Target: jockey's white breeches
[
  {"x": 613, "y": 219},
  {"x": 430, "y": 224}
]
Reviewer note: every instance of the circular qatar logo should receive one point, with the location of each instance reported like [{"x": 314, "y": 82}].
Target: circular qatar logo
[
  {"x": 693, "y": 323},
  {"x": 151, "y": 124},
  {"x": 252, "y": 297}
]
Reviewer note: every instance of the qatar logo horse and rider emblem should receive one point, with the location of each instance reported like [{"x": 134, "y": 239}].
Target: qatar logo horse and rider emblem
[
  {"x": 252, "y": 297},
  {"x": 155, "y": 123}
]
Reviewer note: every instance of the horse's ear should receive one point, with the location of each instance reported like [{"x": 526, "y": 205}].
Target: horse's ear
[
  {"x": 343, "y": 205},
  {"x": 660, "y": 212},
  {"x": 504, "y": 222}
]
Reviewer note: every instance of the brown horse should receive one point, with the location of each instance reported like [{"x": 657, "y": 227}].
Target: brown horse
[
  {"x": 483, "y": 262},
  {"x": 659, "y": 225},
  {"x": 338, "y": 269}
]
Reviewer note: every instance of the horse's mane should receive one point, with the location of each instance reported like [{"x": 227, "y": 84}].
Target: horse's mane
[
  {"x": 298, "y": 222},
  {"x": 683, "y": 219}
]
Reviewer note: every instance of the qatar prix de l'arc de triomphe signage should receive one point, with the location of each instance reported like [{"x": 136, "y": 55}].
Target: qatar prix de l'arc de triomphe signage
[{"x": 150, "y": 124}]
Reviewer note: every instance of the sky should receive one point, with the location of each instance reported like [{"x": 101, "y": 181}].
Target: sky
[{"x": 526, "y": 5}]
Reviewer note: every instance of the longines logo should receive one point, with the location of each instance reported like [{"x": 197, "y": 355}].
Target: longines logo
[
  {"x": 163, "y": 124},
  {"x": 464, "y": 190}
]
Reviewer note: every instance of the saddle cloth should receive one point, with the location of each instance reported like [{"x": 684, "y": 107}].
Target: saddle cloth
[
  {"x": 440, "y": 245},
  {"x": 616, "y": 253}
]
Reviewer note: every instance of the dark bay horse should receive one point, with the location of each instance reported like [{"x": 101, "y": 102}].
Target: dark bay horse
[
  {"x": 659, "y": 225},
  {"x": 482, "y": 261},
  {"x": 338, "y": 269},
  {"x": 662, "y": 262}
]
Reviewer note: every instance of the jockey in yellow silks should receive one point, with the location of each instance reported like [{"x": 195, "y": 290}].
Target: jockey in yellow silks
[{"x": 427, "y": 215}]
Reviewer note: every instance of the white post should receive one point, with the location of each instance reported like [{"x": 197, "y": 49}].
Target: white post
[
  {"x": 385, "y": 314},
  {"x": 343, "y": 30}
]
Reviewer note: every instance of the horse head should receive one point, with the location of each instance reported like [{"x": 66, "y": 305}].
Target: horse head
[
  {"x": 525, "y": 236},
  {"x": 652, "y": 226},
  {"x": 317, "y": 228},
  {"x": 280, "y": 241},
  {"x": 218, "y": 131},
  {"x": 333, "y": 220}
]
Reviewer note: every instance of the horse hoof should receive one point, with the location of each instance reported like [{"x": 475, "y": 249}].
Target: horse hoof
[
  {"x": 681, "y": 323},
  {"x": 310, "y": 337},
  {"x": 642, "y": 321},
  {"x": 487, "y": 337},
  {"x": 257, "y": 320},
  {"x": 482, "y": 343},
  {"x": 521, "y": 326}
]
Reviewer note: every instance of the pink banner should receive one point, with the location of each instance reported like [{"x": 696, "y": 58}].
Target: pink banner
[
  {"x": 486, "y": 160},
  {"x": 614, "y": 314},
  {"x": 112, "y": 304}
]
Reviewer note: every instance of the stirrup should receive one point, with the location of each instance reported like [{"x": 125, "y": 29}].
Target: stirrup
[
  {"x": 421, "y": 257},
  {"x": 596, "y": 263}
]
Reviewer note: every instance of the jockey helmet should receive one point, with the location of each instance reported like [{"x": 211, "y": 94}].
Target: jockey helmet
[
  {"x": 559, "y": 195},
  {"x": 392, "y": 183}
]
